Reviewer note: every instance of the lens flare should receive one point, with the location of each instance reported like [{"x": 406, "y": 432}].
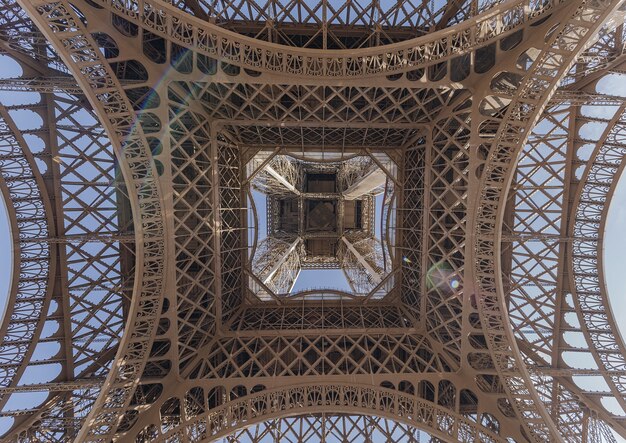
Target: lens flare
[{"x": 442, "y": 277}]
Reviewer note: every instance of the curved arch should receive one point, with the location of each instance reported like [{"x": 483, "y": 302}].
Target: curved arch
[
  {"x": 255, "y": 217},
  {"x": 388, "y": 219},
  {"x": 321, "y": 294},
  {"x": 538, "y": 280},
  {"x": 30, "y": 214},
  {"x": 526, "y": 105},
  {"x": 167, "y": 21},
  {"x": 65, "y": 30},
  {"x": 395, "y": 17},
  {"x": 333, "y": 398},
  {"x": 589, "y": 215},
  {"x": 11, "y": 215},
  {"x": 303, "y": 157},
  {"x": 336, "y": 428}
]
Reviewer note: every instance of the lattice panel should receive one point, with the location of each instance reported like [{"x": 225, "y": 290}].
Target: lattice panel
[
  {"x": 366, "y": 106},
  {"x": 539, "y": 188},
  {"x": 98, "y": 272},
  {"x": 63, "y": 417},
  {"x": 602, "y": 55},
  {"x": 342, "y": 316},
  {"x": 447, "y": 217},
  {"x": 299, "y": 138},
  {"x": 323, "y": 355},
  {"x": 276, "y": 264},
  {"x": 287, "y": 169},
  {"x": 18, "y": 29},
  {"x": 194, "y": 215},
  {"x": 362, "y": 267},
  {"x": 267, "y": 254},
  {"x": 322, "y": 25},
  {"x": 232, "y": 228},
  {"x": 410, "y": 232},
  {"x": 534, "y": 284},
  {"x": 331, "y": 429},
  {"x": 354, "y": 171}
]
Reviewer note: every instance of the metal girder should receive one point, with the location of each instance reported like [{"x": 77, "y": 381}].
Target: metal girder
[
  {"x": 48, "y": 85},
  {"x": 278, "y": 263},
  {"x": 89, "y": 238},
  {"x": 366, "y": 184},
  {"x": 55, "y": 387},
  {"x": 282, "y": 180},
  {"x": 359, "y": 256}
]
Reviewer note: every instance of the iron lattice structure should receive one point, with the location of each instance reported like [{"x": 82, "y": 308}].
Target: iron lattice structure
[
  {"x": 319, "y": 216},
  {"x": 131, "y": 219}
]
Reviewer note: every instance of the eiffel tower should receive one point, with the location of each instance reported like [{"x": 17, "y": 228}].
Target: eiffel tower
[{"x": 172, "y": 169}]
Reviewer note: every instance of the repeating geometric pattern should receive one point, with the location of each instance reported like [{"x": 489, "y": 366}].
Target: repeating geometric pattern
[
  {"x": 194, "y": 213},
  {"x": 300, "y": 356},
  {"x": 323, "y": 24},
  {"x": 87, "y": 312},
  {"x": 337, "y": 429},
  {"x": 523, "y": 106},
  {"x": 33, "y": 263},
  {"x": 445, "y": 242},
  {"x": 130, "y": 225},
  {"x": 231, "y": 230},
  {"x": 590, "y": 213}
]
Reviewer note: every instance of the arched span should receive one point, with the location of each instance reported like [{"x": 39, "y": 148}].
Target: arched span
[
  {"x": 526, "y": 106},
  {"x": 589, "y": 217},
  {"x": 167, "y": 21},
  {"x": 289, "y": 401},
  {"x": 29, "y": 212},
  {"x": 336, "y": 428},
  {"x": 65, "y": 30}
]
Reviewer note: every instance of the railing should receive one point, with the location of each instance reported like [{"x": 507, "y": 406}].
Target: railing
[
  {"x": 590, "y": 293},
  {"x": 165, "y": 20},
  {"x": 444, "y": 423}
]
